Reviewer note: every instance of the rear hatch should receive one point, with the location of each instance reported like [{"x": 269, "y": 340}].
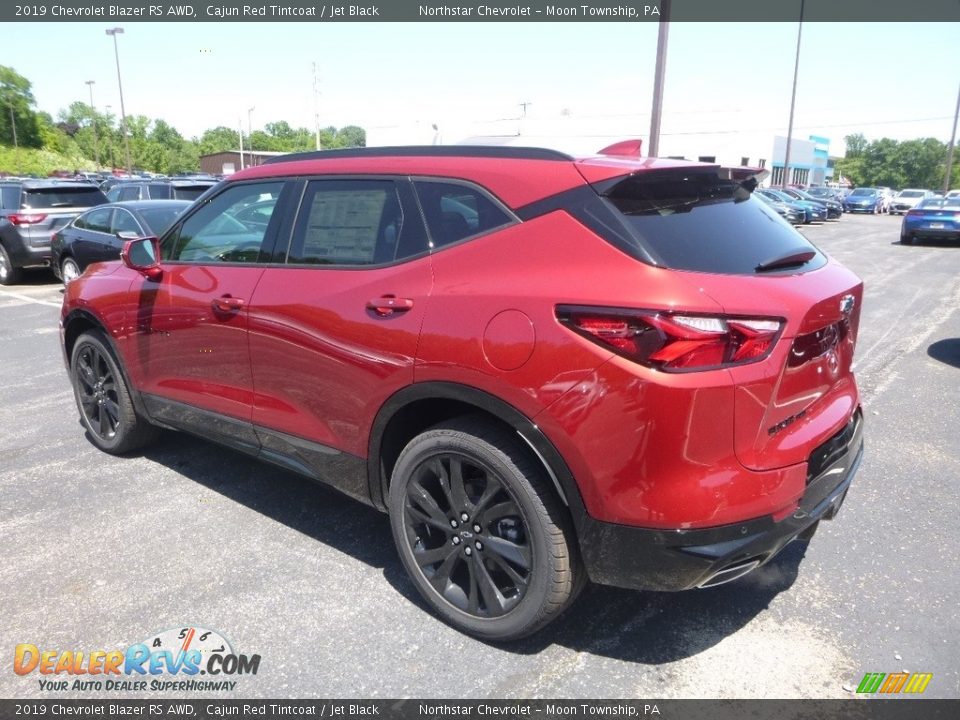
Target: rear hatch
[
  {"x": 47, "y": 209},
  {"x": 702, "y": 221}
]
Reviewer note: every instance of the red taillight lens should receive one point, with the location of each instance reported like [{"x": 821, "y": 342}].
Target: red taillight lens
[
  {"x": 672, "y": 342},
  {"x": 26, "y": 218}
]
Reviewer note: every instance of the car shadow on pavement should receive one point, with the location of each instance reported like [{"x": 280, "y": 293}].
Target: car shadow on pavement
[
  {"x": 946, "y": 351},
  {"x": 641, "y": 627}
]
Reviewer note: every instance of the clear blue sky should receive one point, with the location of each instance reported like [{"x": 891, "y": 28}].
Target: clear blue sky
[{"x": 886, "y": 80}]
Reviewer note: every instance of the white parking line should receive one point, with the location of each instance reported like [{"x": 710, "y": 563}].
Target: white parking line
[{"x": 27, "y": 298}]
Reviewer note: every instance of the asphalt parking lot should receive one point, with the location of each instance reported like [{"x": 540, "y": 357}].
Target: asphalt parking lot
[{"x": 101, "y": 552}]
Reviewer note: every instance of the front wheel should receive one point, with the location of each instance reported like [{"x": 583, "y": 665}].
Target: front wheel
[
  {"x": 906, "y": 239},
  {"x": 481, "y": 532},
  {"x": 106, "y": 409}
]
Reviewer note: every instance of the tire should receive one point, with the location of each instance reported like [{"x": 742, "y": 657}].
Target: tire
[
  {"x": 69, "y": 270},
  {"x": 9, "y": 275},
  {"x": 906, "y": 239},
  {"x": 512, "y": 566},
  {"x": 103, "y": 399}
]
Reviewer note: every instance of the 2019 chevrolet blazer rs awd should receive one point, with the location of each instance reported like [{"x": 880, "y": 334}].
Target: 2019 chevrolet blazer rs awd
[{"x": 545, "y": 369}]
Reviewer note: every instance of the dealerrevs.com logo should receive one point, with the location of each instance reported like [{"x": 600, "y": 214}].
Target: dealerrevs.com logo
[{"x": 187, "y": 658}]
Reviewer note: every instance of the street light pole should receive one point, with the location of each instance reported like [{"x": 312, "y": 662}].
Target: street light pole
[
  {"x": 113, "y": 32},
  {"x": 953, "y": 142},
  {"x": 793, "y": 100},
  {"x": 659, "y": 73},
  {"x": 250, "y": 133},
  {"x": 93, "y": 113}
]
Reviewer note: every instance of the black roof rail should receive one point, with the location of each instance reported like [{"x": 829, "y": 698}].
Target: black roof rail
[{"x": 477, "y": 151}]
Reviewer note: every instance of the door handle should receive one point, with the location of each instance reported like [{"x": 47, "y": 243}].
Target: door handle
[
  {"x": 227, "y": 304},
  {"x": 389, "y": 304}
]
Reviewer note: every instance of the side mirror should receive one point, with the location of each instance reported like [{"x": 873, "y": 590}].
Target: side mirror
[{"x": 142, "y": 255}]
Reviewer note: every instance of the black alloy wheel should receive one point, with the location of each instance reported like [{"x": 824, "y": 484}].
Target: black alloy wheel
[
  {"x": 481, "y": 531},
  {"x": 97, "y": 393},
  {"x": 468, "y": 535},
  {"x": 106, "y": 408}
]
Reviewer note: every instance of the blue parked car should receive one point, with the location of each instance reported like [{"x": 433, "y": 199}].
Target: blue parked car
[
  {"x": 863, "y": 200},
  {"x": 934, "y": 218}
]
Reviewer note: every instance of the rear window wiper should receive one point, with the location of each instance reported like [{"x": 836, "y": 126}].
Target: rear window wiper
[{"x": 790, "y": 258}]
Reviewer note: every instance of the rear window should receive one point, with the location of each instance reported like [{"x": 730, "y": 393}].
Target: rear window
[
  {"x": 703, "y": 223},
  {"x": 190, "y": 192},
  {"x": 66, "y": 197},
  {"x": 159, "y": 219}
]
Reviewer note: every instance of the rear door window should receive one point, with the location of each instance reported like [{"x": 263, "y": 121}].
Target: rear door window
[
  {"x": 130, "y": 192},
  {"x": 456, "y": 211},
  {"x": 98, "y": 220},
  {"x": 355, "y": 222},
  {"x": 159, "y": 191},
  {"x": 703, "y": 223}
]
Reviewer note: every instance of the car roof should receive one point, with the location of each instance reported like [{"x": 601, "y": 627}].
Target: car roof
[
  {"x": 148, "y": 204},
  {"x": 505, "y": 170},
  {"x": 38, "y": 184}
]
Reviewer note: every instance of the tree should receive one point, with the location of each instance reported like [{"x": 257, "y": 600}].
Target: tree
[
  {"x": 218, "y": 139},
  {"x": 856, "y": 145},
  {"x": 16, "y": 113}
]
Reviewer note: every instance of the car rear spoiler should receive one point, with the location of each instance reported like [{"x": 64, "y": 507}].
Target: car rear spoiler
[{"x": 749, "y": 177}]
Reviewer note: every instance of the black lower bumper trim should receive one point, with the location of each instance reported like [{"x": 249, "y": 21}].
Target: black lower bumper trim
[{"x": 649, "y": 559}]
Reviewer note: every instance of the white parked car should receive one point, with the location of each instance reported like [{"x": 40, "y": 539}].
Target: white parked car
[
  {"x": 886, "y": 198},
  {"x": 907, "y": 200}
]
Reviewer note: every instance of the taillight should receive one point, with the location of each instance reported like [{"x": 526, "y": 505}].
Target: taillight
[
  {"x": 26, "y": 218},
  {"x": 675, "y": 342}
]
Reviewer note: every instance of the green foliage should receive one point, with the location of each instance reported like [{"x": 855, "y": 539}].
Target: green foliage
[
  {"x": 16, "y": 110},
  {"x": 909, "y": 164},
  {"x": 30, "y": 161}
]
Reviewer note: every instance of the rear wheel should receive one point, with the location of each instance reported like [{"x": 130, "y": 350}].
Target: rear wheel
[
  {"x": 481, "y": 531},
  {"x": 906, "y": 239},
  {"x": 102, "y": 396},
  {"x": 9, "y": 275},
  {"x": 69, "y": 270}
]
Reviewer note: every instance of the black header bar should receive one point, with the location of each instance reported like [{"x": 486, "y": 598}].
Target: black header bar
[{"x": 121, "y": 11}]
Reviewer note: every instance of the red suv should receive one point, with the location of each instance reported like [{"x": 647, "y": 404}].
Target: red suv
[{"x": 545, "y": 369}]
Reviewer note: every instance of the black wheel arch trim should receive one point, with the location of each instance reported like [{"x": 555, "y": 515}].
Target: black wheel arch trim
[
  {"x": 529, "y": 432},
  {"x": 92, "y": 318}
]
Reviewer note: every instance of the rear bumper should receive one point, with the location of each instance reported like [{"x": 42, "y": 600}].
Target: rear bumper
[{"x": 667, "y": 560}]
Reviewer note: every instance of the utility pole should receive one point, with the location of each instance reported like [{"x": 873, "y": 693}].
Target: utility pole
[
  {"x": 524, "y": 106},
  {"x": 13, "y": 125},
  {"x": 93, "y": 114},
  {"x": 113, "y": 32},
  {"x": 240, "y": 125},
  {"x": 658, "y": 77},
  {"x": 316, "y": 106},
  {"x": 793, "y": 100},
  {"x": 953, "y": 142}
]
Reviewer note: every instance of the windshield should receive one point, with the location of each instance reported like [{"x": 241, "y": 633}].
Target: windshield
[
  {"x": 911, "y": 194},
  {"x": 863, "y": 192},
  {"x": 940, "y": 203}
]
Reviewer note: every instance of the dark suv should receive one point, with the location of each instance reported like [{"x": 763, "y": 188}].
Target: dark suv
[
  {"x": 545, "y": 369},
  {"x": 176, "y": 189},
  {"x": 30, "y": 212}
]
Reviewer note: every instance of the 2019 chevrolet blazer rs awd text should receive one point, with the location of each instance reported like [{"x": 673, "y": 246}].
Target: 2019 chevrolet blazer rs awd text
[{"x": 545, "y": 369}]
